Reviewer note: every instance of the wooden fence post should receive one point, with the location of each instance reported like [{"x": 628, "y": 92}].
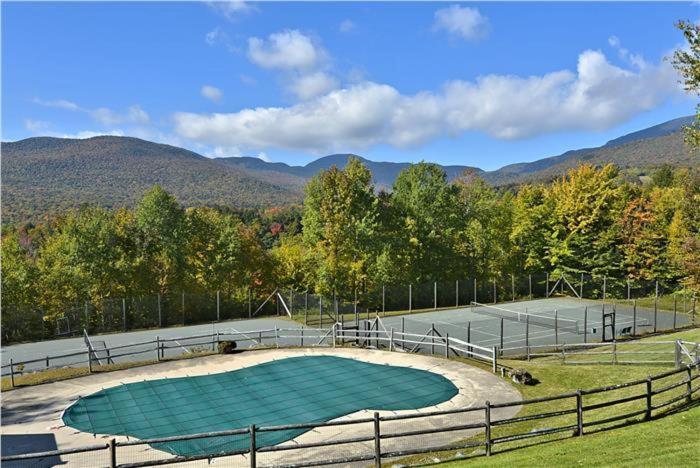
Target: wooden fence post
[
  {"x": 377, "y": 442},
  {"x": 253, "y": 449},
  {"x": 112, "y": 453},
  {"x": 494, "y": 367},
  {"x": 447, "y": 345},
  {"x": 579, "y": 412},
  {"x": 689, "y": 385},
  {"x": 157, "y": 348},
  {"x": 12, "y": 374},
  {"x": 647, "y": 414},
  {"x": 677, "y": 354},
  {"x": 391, "y": 339},
  {"x": 487, "y": 421}
]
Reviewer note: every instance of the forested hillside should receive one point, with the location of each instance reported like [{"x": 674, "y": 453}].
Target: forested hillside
[
  {"x": 348, "y": 237},
  {"x": 50, "y": 175}
]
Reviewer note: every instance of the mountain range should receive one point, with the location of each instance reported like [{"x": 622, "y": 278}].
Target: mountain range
[{"x": 43, "y": 175}]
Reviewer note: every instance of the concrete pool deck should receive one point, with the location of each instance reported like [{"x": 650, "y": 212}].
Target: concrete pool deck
[{"x": 37, "y": 410}]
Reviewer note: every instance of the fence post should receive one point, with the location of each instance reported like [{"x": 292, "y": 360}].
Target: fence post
[
  {"x": 124, "y": 313},
  {"x": 677, "y": 354},
  {"x": 157, "y": 348},
  {"x": 469, "y": 338},
  {"x": 253, "y": 449},
  {"x": 494, "y": 367},
  {"x": 501, "y": 337},
  {"x": 112, "y": 453},
  {"x": 403, "y": 327},
  {"x": 435, "y": 295},
  {"x": 647, "y": 414},
  {"x": 447, "y": 345},
  {"x": 391, "y": 339},
  {"x": 585, "y": 324},
  {"x": 432, "y": 338},
  {"x": 605, "y": 286},
  {"x": 410, "y": 298},
  {"x": 614, "y": 351},
  {"x": 12, "y": 374},
  {"x": 527, "y": 335},
  {"x": 487, "y": 421},
  {"x": 218, "y": 306},
  {"x": 656, "y": 300},
  {"x": 377, "y": 442},
  {"x": 160, "y": 314},
  {"x": 334, "y": 333},
  {"x": 384, "y": 300},
  {"x": 556, "y": 327},
  {"x": 579, "y": 412},
  {"x": 89, "y": 361},
  {"x": 634, "y": 317},
  {"x": 689, "y": 385},
  {"x": 302, "y": 337}
]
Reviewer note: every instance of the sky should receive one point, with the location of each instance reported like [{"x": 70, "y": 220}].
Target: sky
[{"x": 478, "y": 84}]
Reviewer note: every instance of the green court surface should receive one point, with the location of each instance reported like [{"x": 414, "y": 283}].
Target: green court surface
[{"x": 287, "y": 391}]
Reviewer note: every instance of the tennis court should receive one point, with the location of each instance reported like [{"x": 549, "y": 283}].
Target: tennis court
[{"x": 536, "y": 322}]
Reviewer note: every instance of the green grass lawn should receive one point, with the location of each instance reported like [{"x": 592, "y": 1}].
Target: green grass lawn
[
  {"x": 673, "y": 440},
  {"x": 555, "y": 378}
]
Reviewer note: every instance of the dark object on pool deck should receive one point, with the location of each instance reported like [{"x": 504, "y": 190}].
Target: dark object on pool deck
[
  {"x": 521, "y": 376},
  {"x": 227, "y": 347}
]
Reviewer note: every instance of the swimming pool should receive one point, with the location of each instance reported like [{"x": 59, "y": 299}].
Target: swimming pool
[{"x": 286, "y": 391}]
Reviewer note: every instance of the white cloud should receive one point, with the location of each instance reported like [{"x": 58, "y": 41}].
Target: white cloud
[
  {"x": 346, "y": 26},
  {"x": 36, "y": 126},
  {"x": 90, "y": 134},
  {"x": 463, "y": 22},
  {"x": 597, "y": 96},
  {"x": 232, "y": 152},
  {"x": 133, "y": 115},
  {"x": 212, "y": 93},
  {"x": 232, "y": 8},
  {"x": 301, "y": 60},
  {"x": 215, "y": 36},
  {"x": 286, "y": 50},
  {"x": 313, "y": 85},
  {"x": 248, "y": 80},
  {"x": 59, "y": 103}
]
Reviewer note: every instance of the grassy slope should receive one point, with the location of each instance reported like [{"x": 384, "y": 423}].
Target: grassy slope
[
  {"x": 554, "y": 379},
  {"x": 670, "y": 441}
]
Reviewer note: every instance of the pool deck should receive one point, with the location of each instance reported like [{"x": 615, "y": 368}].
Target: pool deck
[{"x": 37, "y": 410}]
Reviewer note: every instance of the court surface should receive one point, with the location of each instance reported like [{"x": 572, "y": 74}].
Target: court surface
[
  {"x": 536, "y": 322},
  {"x": 41, "y": 349}
]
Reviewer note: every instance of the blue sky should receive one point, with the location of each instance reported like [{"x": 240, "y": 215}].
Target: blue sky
[{"x": 483, "y": 84}]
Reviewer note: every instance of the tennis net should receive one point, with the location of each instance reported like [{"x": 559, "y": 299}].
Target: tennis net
[{"x": 553, "y": 322}]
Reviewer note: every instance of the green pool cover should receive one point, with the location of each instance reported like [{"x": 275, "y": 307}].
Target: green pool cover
[{"x": 287, "y": 391}]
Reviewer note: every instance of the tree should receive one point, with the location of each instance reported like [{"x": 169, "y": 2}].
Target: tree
[
  {"x": 584, "y": 225},
  {"x": 687, "y": 62},
  {"x": 162, "y": 241},
  {"x": 428, "y": 219},
  {"x": 340, "y": 221},
  {"x": 532, "y": 216}
]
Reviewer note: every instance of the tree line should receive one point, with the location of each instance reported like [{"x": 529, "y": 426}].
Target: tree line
[{"x": 349, "y": 237}]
